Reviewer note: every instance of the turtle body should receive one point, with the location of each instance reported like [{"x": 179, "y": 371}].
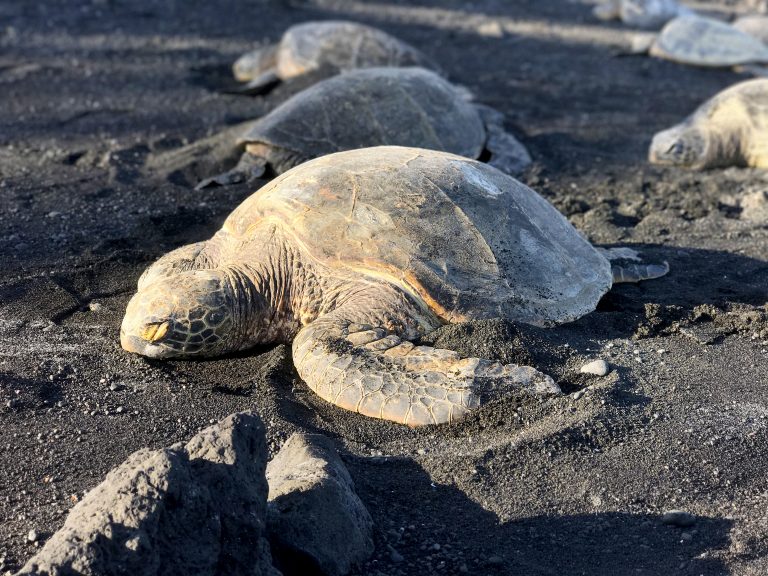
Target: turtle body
[
  {"x": 334, "y": 46},
  {"x": 352, "y": 256},
  {"x": 377, "y": 106},
  {"x": 701, "y": 41},
  {"x": 651, "y": 14},
  {"x": 730, "y": 129}
]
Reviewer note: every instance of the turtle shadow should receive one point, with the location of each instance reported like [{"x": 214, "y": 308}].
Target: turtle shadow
[{"x": 432, "y": 523}]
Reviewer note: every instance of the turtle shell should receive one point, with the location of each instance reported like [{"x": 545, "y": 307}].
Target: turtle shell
[
  {"x": 376, "y": 106},
  {"x": 469, "y": 240},
  {"x": 745, "y": 102},
  {"x": 706, "y": 42},
  {"x": 341, "y": 45}
]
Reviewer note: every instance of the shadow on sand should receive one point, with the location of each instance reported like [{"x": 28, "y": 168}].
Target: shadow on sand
[{"x": 611, "y": 543}]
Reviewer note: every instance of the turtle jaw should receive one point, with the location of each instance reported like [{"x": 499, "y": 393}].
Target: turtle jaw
[{"x": 140, "y": 346}]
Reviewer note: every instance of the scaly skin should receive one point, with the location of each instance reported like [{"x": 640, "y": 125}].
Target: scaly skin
[{"x": 351, "y": 334}]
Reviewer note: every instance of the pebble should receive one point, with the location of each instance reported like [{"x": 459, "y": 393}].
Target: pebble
[
  {"x": 95, "y": 307},
  {"x": 32, "y": 535},
  {"x": 678, "y": 518},
  {"x": 596, "y": 367}
]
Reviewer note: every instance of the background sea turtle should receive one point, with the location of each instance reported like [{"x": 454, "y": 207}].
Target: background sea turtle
[
  {"x": 703, "y": 41},
  {"x": 333, "y": 45},
  {"x": 730, "y": 129},
  {"x": 354, "y": 255},
  {"x": 755, "y": 25},
  {"x": 640, "y": 13},
  {"x": 376, "y": 106}
]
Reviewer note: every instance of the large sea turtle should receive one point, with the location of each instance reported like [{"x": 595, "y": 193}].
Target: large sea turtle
[
  {"x": 729, "y": 129},
  {"x": 354, "y": 255},
  {"x": 377, "y": 106},
  {"x": 333, "y": 46},
  {"x": 701, "y": 41},
  {"x": 641, "y": 13}
]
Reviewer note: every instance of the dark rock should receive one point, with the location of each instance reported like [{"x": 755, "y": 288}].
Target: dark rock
[
  {"x": 314, "y": 513},
  {"x": 195, "y": 509}
]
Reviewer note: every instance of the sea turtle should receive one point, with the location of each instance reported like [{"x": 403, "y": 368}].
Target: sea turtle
[
  {"x": 641, "y": 13},
  {"x": 352, "y": 256},
  {"x": 333, "y": 45},
  {"x": 701, "y": 41},
  {"x": 755, "y": 25},
  {"x": 375, "y": 106},
  {"x": 730, "y": 129}
]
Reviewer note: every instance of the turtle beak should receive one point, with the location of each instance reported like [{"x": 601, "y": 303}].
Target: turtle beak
[{"x": 131, "y": 343}]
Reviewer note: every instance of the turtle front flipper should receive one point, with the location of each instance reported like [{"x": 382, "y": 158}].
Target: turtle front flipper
[
  {"x": 373, "y": 371},
  {"x": 200, "y": 158},
  {"x": 507, "y": 153},
  {"x": 247, "y": 169}
]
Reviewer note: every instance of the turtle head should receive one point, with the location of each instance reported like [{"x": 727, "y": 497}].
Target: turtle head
[
  {"x": 193, "y": 313},
  {"x": 679, "y": 146}
]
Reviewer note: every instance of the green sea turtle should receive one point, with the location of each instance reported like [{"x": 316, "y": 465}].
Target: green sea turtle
[
  {"x": 371, "y": 107},
  {"x": 354, "y": 255},
  {"x": 701, "y": 41},
  {"x": 729, "y": 129},
  {"x": 641, "y": 13},
  {"x": 755, "y": 25},
  {"x": 333, "y": 45}
]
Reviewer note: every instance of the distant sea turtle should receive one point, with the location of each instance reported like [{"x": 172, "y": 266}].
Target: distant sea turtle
[
  {"x": 700, "y": 41},
  {"x": 755, "y": 25},
  {"x": 352, "y": 256},
  {"x": 376, "y": 106},
  {"x": 332, "y": 45},
  {"x": 730, "y": 129},
  {"x": 641, "y": 13}
]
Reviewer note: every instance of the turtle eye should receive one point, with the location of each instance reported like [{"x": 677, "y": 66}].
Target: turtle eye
[
  {"x": 154, "y": 331},
  {"x": 675, "y": 148}
]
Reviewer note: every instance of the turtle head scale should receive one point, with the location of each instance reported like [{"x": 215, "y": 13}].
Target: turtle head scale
[{"x": 194, "y": 313}]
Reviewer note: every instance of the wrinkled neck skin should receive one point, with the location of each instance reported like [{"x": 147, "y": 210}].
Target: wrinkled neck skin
[
  {"x": 725, "y": 147},
  {"x": 282, "y": 288}
]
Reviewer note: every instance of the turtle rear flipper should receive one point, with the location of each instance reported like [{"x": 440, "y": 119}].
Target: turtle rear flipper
[
  {"x": 627, "y": 266},
  {"x": 507, "y": 153}
]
